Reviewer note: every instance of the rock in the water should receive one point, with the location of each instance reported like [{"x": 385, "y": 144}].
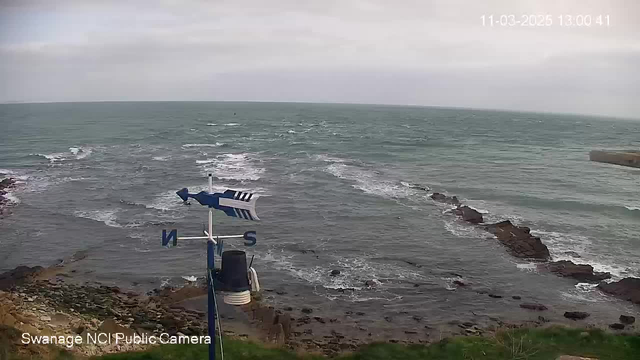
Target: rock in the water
[
  {"x": 518, "y": 240},
  {"x": 580, "y": 272},
  {"x": 516, "y": 297},
  {"x": 538, "y": 307},
  {"x": 495, "y": 296},
  {"x": 307, "y": 310},
  {"x": 617, "y": 326},
  {"x": 370, "y": 283},
  {"x": 439, "y": 197},
  {"x": 469, "y": 214},
  {"x": 626, "y": 289},
  {"x": 459, "y": 283},
  {"x": 576, "y": 315},
  {"x": 627, "y": 319},
  {"x": 335, "y": 272}
]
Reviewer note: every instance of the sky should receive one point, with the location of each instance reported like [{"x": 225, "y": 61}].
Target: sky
[{"x": 401, "y": 52}]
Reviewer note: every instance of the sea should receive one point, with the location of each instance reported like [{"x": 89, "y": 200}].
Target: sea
[{"x": 341, "y": 187}]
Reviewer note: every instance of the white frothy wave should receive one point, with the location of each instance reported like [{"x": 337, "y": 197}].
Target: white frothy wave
[
  {"x": 11, "y": 198},
  {"x": 190, "y": 278},
  {"x": 233, "y": 167},
  {"x": 562, "y": 246},
  {"x": 217, "y": 144},
  {"x": 368, "y": 181},
  {"x": 354, "y": 271},
  {"x": 461, "y": 229},
  {"x": 211, "y": 124},
  {"x": 108, "y": 217},
  {"x": 633, "y": 207},
  {"x": 161, "y": 158},
  {"x": 75, "y": 152},
  {"x": 231, "y": 124}
]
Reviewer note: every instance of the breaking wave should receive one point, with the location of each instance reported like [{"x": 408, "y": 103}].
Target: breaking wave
[
  {"x": 108, "y": 217},
  {"x": 233, "y": 167}
]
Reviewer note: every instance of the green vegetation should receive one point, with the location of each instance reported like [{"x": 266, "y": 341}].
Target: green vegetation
[{"x": 520, "y": 344}]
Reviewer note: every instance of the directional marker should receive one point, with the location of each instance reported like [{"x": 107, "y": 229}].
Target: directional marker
[{"x": 234, "y": 203}]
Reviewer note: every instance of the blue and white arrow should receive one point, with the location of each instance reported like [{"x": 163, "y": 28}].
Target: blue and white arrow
[{"x": 234, "y": 203}]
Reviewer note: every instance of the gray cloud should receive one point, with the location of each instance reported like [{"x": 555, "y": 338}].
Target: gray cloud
[{"x": 404, "y": 52}]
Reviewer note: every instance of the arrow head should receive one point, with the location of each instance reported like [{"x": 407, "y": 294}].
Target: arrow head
[{"x": 184, "y": 194}]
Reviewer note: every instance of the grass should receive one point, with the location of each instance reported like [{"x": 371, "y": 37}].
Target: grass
[
  {"x": 522, "y": 344},
  {"x": 519, "y": 344}
]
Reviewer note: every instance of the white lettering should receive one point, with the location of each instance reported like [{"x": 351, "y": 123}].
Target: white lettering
[{"x": 25, "y": 338}]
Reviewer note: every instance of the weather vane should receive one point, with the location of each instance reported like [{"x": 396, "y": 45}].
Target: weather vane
[{"x": 234, "y": 277}]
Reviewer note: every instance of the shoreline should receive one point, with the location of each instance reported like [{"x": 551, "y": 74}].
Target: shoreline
[{"x": 48, "y": 302}]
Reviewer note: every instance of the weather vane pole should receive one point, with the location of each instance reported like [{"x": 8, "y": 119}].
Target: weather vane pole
[{"x": 233, "y": 203}]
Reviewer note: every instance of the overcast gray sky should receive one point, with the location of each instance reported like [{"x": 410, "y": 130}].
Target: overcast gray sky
[{"x": 419, "y": 52}]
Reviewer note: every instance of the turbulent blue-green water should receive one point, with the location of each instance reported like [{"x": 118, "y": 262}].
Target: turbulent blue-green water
[{"x": 100, "y": 179}]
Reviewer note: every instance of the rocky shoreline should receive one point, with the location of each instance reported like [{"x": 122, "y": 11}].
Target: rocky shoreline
[
  {"x": 6, "y": 185},
  {"x": 520, "y": 243},
  {"x": 46, "y": 301}
]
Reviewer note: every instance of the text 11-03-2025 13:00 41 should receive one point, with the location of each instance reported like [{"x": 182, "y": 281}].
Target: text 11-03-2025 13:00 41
[{"x": 512, "y": 20}]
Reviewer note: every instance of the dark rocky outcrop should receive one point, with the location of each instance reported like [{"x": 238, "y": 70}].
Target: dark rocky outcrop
[
  {"x": 18, "y": 276},
  {"x": 469, "y": 214},
  {"x": 529, "y": 306},
  {"x": 519, "y": 240},
  {"x": 576, "y": 315},
  {"x": 445, "y": 199},
  {"x": 580, "y": 272},
  {"x": 335, "y": 272},
  {"x": 627, "y": 319},
  {"x": 617, "y": 326},
  {"x": 626, "y": 289}
]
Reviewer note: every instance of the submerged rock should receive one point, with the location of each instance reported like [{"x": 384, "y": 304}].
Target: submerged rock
[
  {"x": 580, "y": 272},
  {"x": 617, "y": 326},
  {"x": 626, "y": 289},
  {"x": 519, "y": 241},
  {"x": 335, "y": 272}
]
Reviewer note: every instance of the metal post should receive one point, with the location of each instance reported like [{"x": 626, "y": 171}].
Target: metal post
[{"x": 211, "y": 309}]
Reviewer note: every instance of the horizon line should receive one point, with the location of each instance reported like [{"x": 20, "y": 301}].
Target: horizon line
[{"x": 328, "y": 103}]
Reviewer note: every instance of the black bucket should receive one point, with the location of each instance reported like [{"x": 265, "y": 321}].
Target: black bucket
[{"x": 233, "y": 275}]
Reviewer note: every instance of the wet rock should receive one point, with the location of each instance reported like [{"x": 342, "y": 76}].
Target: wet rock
[
  {"x": 576, "y": 315},
  {"x": 18, "y": 276},
  {"x": 495, "y": 296},
  {"x": 370, "y": 283},
  {"x": 516, "y": 297},
  {"x": 531, "y": 306},
  {"x": 335, "y": 272},
  {"x": 519, "y": 242},
  {"x": 616, "y": 326},
  {"x": 439, "y": 197},
  {"x": 627, "y": 319},
  {"x": 307, "y": 310},
  {"x": 360, "y": 313},
  {"x": 626, "y": 289},
  {"x": 469, "y": 214},
  {"x": 417, "y": 318},
  {"x": 580, "y": 272},
  {"x": 459, "y": 283}
]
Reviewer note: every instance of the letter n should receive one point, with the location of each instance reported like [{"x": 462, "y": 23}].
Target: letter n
[{"x": 172, "y": 235}]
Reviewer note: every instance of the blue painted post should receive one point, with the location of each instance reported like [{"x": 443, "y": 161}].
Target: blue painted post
[{"x": 211, "y": 309}]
